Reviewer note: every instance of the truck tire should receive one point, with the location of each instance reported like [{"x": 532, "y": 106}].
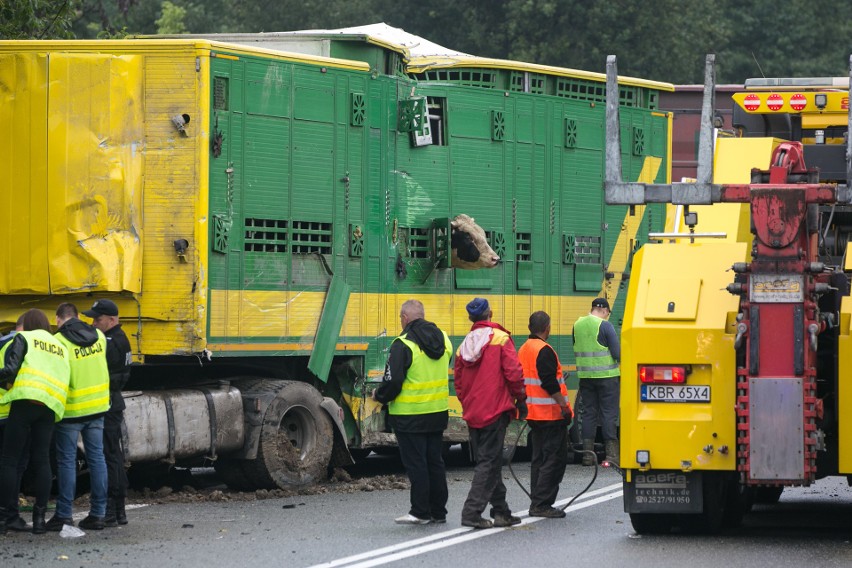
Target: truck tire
[
  {"x": 296, "y": 438},
  {"x": 650, "y": 523},
  {"x": 767, "y": 495},
  {"x": 232, "y": 473}
]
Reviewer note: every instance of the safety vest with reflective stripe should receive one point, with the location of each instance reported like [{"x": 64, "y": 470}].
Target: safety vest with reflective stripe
[
  {"x": 426, "y": 388},
  {"x": 5, "y": 407},
  {"x": 540, "y": 405},
  {"x": 594, "y": 360},
  {"x": 44, "y": 373},
  {"x": 88, "y": 390}
]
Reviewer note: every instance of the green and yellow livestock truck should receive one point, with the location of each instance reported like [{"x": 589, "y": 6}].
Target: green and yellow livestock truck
[{"x": 259, "y": 207}]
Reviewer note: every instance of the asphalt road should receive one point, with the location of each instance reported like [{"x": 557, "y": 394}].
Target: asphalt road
[{"x": 809, "y": 527}]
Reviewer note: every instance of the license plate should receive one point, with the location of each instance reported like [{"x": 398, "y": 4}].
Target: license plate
[{"x": 675, "y": 393}]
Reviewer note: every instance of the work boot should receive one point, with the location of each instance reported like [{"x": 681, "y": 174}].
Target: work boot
[
  {"x": 92, "y": 523},
  {"x": 589, "y": 457},
  {"x": 547, "y": 512},
  {"x": 18, "y": 524},
  {"x": 120, "y": 514},
  {"x": 506, "y": 519},
  {"x": 110, "y": 519},
  {"x": 479, "y": 523},
  {"x": 56, "y": 523},
  {"x": 39, "y": 526},
  {"x": 612, "y": 451}
]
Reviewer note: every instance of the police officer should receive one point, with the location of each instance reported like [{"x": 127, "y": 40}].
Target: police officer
[
  {"x": 87, "y": 402},
  {"x": 36, "y": 375},
  {"x": 104, "y": 314},
  {"x": 597, "y": 353}
]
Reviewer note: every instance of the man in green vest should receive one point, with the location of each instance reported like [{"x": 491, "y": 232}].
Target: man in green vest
[
  {"x": 87, "y": 402},
  {"x": 597, "y": 353},
  {"x": 416, "y": 389}
]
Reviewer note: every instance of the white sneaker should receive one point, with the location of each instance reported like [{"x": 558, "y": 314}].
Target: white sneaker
[{"x": 410, "y": 519}]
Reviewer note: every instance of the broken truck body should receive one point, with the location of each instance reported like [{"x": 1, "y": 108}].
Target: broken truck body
[{"x": 260, "y": 209}]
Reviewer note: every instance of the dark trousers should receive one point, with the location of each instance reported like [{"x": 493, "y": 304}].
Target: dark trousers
[
  {"x": 421, "y": 456},
  {"x": 487, "y": 485},
  {"x": 600, "y": 407},
  {"x": 549, "y": 457},
  {"x": 33, "y": 422},
  {"x": 114, "y": 455}
]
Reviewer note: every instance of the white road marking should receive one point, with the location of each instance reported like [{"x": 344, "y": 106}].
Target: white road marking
[{"x": 457, "y": 536}]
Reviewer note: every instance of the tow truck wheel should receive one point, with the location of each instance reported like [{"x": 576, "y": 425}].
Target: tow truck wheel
[
  {"x": 767, "y": 495},
  {"x": 709, "y": 521},
  {"x": 649, "y": 523},
  {"x": 296, "y": 438}
]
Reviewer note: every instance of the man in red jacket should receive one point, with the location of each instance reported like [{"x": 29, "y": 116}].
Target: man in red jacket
[{"x": 489, "y": 384}]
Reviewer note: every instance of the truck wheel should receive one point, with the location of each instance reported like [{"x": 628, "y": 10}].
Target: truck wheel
[
  {"x": 767, "y": 495},
  {"x": 296, "y": 439},
  {"x": 231, "y": 472},
  {"x": 710, "y": 520},
  {"x": 649, "y": 523}
]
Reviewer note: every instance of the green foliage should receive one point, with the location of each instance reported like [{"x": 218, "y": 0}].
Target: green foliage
[
  {"x": 664, "y": 40},
  {"x": 37, "y": 19},
  {"x": 172, "y": 20}
]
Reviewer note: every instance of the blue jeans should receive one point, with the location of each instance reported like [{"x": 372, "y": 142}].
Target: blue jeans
[{"x": 66, "y": 436}]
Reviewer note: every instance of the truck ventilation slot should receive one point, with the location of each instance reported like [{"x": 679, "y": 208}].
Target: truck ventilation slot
[
  {"x": 587, "y": 249},
  {"x": 265, "y": 235},
  {"x": 307, "y": 237},
  {"x": 526, "y": 82},
  {"x": 419, "y": 243},
  {"x": 470, "y": 77},
  {"x": 523, "y": 246}
]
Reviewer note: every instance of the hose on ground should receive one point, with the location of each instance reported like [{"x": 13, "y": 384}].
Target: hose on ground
[{"x": 511, "y": 456}]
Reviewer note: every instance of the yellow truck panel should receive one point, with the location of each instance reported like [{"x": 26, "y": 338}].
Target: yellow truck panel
[
  {"x": 78, "y": 231},
  {"x": 677, "y": 433},
  {"x": 23, "y": 159}
]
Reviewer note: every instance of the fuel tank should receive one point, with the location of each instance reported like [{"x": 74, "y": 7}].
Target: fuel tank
[{"x": 172, "y": 425}]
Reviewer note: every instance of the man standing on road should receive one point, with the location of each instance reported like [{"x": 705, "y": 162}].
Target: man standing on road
[
  {"x": 597, "y": 352},
  {"x": 416, "y": 390},
  {"x": 104, "y": 314},
  {"x": 490, "y": 386},
  {"x": 85, "y": 406},
  {"x": 548, "y": 415}
]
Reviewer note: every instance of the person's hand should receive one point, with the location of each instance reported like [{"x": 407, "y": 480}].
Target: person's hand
[
  {"x": 373, "y": 394},
  {"x": 522, "y": 409},
  {"x": 567, "y": 413}
]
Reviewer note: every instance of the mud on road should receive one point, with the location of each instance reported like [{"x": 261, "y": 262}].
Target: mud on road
[{"x": 180, "y": 485}]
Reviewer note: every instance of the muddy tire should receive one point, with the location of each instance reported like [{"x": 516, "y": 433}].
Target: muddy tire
[{"x": 296, "y": 438}]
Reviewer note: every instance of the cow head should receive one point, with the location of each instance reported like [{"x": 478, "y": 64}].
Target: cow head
[{"x": 470, "y": 248}]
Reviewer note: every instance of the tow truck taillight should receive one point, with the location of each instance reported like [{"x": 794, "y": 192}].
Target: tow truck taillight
[{"x": 661, "y": 374}]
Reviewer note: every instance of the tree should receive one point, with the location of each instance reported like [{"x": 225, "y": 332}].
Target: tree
[
  {"x": 172, "y": 20},
  {"x": 37, "y": 19}
]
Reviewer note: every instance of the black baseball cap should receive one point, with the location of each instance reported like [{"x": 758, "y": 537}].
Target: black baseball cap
[
  {"x": 102, "y": 308},
  {"x": 600, "y": 303}
]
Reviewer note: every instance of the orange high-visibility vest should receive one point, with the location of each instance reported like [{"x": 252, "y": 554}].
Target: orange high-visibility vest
[{"x": 540, "y": 405}]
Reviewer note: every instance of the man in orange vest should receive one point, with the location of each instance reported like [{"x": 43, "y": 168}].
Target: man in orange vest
[{"x": 548, "y": 415}]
